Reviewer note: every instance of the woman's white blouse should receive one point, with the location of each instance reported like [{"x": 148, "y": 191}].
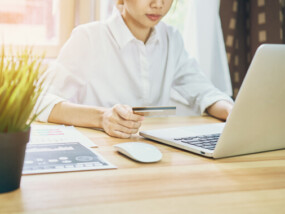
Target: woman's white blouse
[{"x": 103, "y": 64}]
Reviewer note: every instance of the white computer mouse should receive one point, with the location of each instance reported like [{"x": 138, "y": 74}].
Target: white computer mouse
[{"x": 141, "y": 152}]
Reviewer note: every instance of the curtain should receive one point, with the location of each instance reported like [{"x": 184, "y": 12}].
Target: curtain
[
  {"x": 204, "y": 40},
  {"x": 246, "y": 25}
]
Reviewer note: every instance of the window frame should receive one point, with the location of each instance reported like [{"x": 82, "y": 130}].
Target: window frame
[
  {"x": 64, "y": 28},
  {"x": 86, "y": 11}
]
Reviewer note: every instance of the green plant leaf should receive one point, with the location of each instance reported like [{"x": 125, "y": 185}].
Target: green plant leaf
[{"x": 22, "y": 80}]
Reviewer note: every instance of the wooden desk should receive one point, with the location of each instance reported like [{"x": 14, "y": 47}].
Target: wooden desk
[{"x": 181, "y": 183}]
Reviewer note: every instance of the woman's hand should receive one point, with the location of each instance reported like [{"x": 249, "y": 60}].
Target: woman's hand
[
  {"x": 120, "y": 121},
  {"x": 220, "y": 109}
]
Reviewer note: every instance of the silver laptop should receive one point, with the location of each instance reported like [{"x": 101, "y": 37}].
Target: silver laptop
[{"x": 257, "y": 121}]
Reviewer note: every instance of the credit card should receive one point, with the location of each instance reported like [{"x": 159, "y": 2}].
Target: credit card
[{"x": 153, "y": 111}]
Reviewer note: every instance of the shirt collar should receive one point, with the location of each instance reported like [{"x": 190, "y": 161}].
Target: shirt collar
[
  {"x": 154, "y": 36},
  {"x": 121, "y": 32}
]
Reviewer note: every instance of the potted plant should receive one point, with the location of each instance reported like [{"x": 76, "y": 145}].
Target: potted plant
[{"x": 21, "y": 83}]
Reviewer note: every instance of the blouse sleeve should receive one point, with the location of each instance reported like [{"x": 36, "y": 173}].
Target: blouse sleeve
[
  {"x": 66, "y": 74},
  {"x": 191, "y": 83}
]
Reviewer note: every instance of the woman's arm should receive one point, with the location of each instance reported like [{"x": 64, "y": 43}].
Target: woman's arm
[
  {"x": 220, "y": 109},
  {"x": 118, "y": 121}
]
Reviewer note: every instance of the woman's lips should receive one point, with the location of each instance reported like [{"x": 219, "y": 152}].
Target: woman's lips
[{"x": 153, "y": 17}]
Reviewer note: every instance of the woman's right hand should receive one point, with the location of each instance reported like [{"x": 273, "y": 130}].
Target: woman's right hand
[{"x": 120, "y": 121}]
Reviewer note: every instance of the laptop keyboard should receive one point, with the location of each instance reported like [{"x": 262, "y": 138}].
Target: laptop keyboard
[{"x": 203, "y": 141}]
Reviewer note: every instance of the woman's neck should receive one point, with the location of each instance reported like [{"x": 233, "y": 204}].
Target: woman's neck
[{"x": 140, "y": 32}]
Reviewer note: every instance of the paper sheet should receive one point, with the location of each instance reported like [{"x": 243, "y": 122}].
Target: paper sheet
[
  {"x": 62, "y": 157},
  {"x": 58, "y": 134}
]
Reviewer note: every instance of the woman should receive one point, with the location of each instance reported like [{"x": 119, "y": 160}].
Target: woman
[{"x": 131, "y": 58}]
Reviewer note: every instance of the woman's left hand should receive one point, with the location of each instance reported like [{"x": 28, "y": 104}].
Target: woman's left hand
[{"x": 220, "y": 109}]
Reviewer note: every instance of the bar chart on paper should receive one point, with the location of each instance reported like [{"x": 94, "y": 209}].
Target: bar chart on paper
[
  {"x": 62, "y": 157},
  {"x": 59, "y": 148}
]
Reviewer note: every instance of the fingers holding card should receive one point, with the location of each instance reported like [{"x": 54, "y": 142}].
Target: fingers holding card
[{"x": 155, "y": 111}]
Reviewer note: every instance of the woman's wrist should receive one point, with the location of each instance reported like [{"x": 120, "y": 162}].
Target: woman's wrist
[
  {"x": 220, "y": 109},
  {"x": 98, "y": 116}
]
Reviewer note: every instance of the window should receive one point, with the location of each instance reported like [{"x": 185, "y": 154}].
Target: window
[{"x": 43, "y": 24}]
